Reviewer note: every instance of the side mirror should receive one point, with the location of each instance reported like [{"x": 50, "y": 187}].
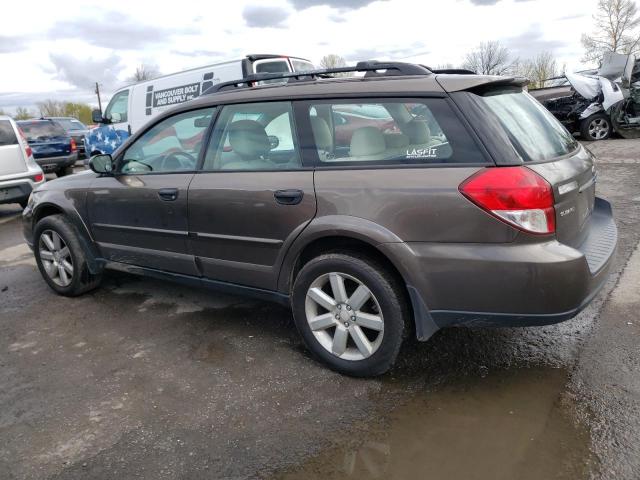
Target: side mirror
[
  {"x": 273, "y": 141},
  {"x": 102, "y": 164},
  {"x": 96, "y": 116}
]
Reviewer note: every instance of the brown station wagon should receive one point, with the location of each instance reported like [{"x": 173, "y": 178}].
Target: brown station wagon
[{"x": 457, "y": 200}]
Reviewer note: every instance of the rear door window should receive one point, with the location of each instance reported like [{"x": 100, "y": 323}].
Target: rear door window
[
  {"x": 7, "y": 135},
  {"x": 393, "y": 131}
]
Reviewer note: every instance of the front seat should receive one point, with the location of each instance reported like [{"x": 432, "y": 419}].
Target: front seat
[
  {"x": 322, "y": 137},
  {"x": 250, "y": 145},
  {"x": 418, "y": 132}
]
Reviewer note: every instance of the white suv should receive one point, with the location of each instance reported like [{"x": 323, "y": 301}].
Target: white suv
[{"x": 19, "y": 172}]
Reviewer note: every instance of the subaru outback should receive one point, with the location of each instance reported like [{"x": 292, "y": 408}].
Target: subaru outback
[{"x": 459, "y": 201}]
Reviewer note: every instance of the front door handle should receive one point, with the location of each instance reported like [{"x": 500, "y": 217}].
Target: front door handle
[
  {"x": 289, "y": 197},
  {"x": 168, "y": 194}
]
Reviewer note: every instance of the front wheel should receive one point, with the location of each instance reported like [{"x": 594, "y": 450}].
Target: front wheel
[
  {"x": 60, "y": 257},
  {"x": 351, "y": 313},
  {"x": 596, "y": 127}
]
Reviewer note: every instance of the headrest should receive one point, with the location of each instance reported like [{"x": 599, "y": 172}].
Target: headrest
[
  {"x": 367, "y": 141},
  {"x": 396, "y": 140},
  {"x": 248, "y": 138},
  {"x": 321, "y": 133},
  {"x": 418, "y": 131}
]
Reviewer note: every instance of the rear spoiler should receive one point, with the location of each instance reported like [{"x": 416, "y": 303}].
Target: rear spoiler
[{"x": 457, "y": 83}]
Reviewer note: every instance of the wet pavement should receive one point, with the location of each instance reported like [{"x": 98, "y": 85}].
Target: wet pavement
[{"x": 145, "y": 379}]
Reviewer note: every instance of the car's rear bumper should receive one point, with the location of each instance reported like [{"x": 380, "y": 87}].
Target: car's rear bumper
[
  {"x": 519, "y": 284},
  {"x": 50, "y": 164},
  {"x": 17, "y": 188}
]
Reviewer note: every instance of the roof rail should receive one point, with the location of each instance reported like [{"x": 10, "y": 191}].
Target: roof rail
[{"x": 372, "y": 68}]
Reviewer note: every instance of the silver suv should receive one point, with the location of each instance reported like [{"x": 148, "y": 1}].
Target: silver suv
[{"x": 19, "y": 173}]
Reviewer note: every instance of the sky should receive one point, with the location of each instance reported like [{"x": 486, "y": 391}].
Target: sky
[{"x": 58, "y": 50}]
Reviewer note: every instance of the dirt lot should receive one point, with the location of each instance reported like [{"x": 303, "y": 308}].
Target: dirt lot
[{"x": 144, "y": 379}]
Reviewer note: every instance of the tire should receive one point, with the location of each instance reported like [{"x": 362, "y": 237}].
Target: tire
[
  {"x": 387, "y": 302},
  {"x": 596, "y": 127},
  {"x": 64, "y": 171},
  {"x": 80, "y": 279}
]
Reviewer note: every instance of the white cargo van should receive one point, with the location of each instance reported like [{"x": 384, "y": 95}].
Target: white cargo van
[{"x": 134, "y": 105}]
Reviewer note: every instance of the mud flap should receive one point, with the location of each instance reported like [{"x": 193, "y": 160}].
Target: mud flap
[{"x": 425, "y": 325}]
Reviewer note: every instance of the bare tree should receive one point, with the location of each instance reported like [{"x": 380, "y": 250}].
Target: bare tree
[
  {"x": 332, "y": 61},
  {"x": 490, "y": 58},
  {"x": 538, "y": 69},
  {"x": 51, "y": 108},
  {"x": 144, "y": 72},
  {"x": 23, "y": 114},
  {"x": 616, "y": 23}
]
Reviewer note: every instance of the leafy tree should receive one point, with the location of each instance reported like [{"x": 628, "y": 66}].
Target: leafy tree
[
  {"x": 144, "y": 72},
  {"x": 2, "y": 112},
  {"x": 490, "y": 58},
  {"x": 81, "y": 111},
  {"x": 617, "y": 29}
]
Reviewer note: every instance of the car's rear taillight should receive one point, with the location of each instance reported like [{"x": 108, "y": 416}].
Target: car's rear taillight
[
  {"x": 27, "y": 149},
  {"x": 74, "y": 147},
  {"x": 38, "y": 177},
  {"x": 516, "y": 195}
]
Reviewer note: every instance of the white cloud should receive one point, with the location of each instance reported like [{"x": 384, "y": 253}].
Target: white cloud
[{"x": 66, "y": 46}]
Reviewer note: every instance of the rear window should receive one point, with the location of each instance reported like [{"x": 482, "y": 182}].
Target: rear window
[
  {"x": 44, "y": 130},
  {"x": 533, "y": 131},
  {"x": 70, "y": 124},
  {"x": 393, "y": 131},
  {"x": 7, "y": 135}
]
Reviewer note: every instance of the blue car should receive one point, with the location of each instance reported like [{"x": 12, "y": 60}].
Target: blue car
[{"x": 53, "y": 149}]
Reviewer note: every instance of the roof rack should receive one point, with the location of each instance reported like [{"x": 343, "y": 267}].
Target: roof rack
[{"x": 372, "y": 69}]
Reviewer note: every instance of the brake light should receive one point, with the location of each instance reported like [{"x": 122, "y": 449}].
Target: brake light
[
  {"x": 74, "y": 147},
  {"x": 27, "y": 149},
  {"x": 516, "y": 195},
  {"x": 38, "y": 177}
]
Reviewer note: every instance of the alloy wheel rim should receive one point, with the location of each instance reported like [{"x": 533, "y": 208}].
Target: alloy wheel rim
[
  {"x": 344, "y": 316},
  {"x": 56, "y": 258},
  {"x": 599, "y": 128}
]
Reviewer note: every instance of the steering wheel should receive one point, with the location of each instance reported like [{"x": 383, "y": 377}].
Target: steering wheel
[{"x": 173, "y": 161}]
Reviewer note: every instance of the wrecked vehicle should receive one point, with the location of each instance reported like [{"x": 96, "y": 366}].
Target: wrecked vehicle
[{"x": 597, "y": 103}]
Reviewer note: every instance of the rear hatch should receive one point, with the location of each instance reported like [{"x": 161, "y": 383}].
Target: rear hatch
[
  {"x": 46, "y": 138},
  {"x": 11, "y": 157},
  {"x": 520, "y": 131}
]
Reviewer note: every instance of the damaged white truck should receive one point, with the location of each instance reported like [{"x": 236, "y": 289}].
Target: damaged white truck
[{"x": 600, "y": 102}]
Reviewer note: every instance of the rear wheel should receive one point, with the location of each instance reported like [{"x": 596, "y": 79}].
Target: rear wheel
[
  {"x": 60, "y": 257},
  {"x": 351, "y": 313},
  {"x": 596, "y": 127}
]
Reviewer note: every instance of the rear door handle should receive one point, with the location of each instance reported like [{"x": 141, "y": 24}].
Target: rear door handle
[
  {"x": 168, "y": 194},
  {"x": 288, "y": 197}
]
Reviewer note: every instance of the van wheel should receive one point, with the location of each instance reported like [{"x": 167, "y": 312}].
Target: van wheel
[
  {"x": 351, "y": 313},
  {"x": 60, "y": 257},
  {"x": 596, "y": 127}
]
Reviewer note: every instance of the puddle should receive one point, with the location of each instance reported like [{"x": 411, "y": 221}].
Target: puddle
[{"x": 507, "y": 425}]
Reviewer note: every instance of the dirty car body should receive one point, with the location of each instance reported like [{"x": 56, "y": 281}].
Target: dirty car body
[{"x": 459, "y": 213}]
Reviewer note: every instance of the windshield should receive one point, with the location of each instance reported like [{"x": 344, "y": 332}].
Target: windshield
[
  {"x": 534, "y": 132},
  {"x": 42, "y": 130},
  {"x": 302, "y": 65},
  {"x": 71, "y": 124}
]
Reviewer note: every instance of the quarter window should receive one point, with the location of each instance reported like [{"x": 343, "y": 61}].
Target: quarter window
[
  {"x": 255, "y": 136},
  {"x": 390, "y": 132},
  {"x": 7, "y": 135},
  {"x": 118, "y": 107},
  {"x": 173, "y": 145}
]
